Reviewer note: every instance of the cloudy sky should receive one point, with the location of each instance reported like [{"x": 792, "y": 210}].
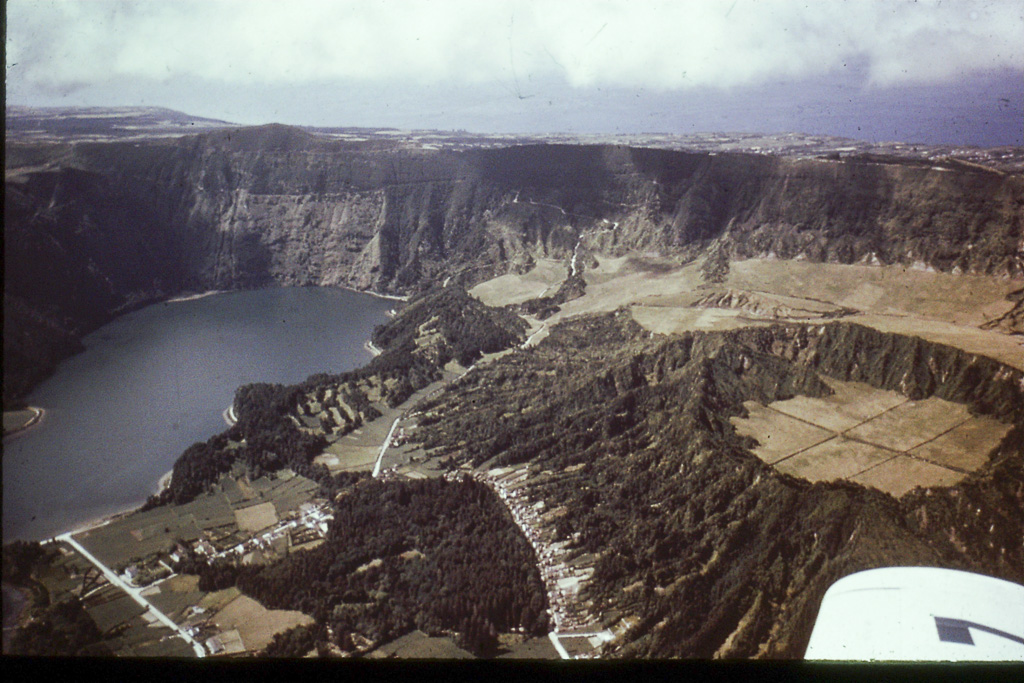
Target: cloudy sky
[{"x": 920, "y": 71}]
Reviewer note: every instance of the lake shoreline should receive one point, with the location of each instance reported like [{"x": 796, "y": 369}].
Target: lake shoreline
[
  {"x": 178, "y": 298},
  {"x": 168, "y": 375},
  {"x": 194, "y": 297},
  {"x": 34, "y": 421}
]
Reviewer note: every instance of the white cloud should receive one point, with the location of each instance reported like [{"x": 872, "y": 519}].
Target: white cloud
[{"x": 660, "y": 45}]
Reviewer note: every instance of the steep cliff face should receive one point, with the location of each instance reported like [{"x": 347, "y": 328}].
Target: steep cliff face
[{"x": 109, "y": 225}]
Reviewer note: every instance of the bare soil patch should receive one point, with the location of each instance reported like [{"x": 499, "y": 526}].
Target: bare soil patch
[
  {"x": 941, "y": 307},
  {"x": 511, "y": 288},
  {"x": 1004, "y": 348},
  {"x": 673, "y": 320},
  {"x": 968, "y": 300}
]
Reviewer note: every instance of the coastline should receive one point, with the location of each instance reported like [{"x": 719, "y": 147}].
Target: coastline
[
  {"x": 211, "y": 292},
  {"x": 379, "y": 295},
  {"x": 193, "y": 297},
  {"x": 35, "y": 420},
  {"x": 95, "y": 523},
  {"x": 164, "y": 483},
  {"x": 373, "y": 349},
  {"x": 390, "y": 297}
]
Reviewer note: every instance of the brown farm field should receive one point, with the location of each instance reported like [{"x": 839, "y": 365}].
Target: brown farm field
[{"x": 872, "y": 437}]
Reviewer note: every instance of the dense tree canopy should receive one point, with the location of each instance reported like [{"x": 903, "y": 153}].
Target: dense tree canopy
[{"x": 443, "y": 557}]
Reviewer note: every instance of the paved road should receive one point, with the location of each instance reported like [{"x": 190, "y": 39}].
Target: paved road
[
  {"x": 134, "y": 592},
  {"x": 384, "y": 448},
  {"x": 562, "y": 652}
]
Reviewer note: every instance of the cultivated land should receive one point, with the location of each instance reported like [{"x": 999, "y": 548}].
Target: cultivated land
[
  {"x": 639, "y": 225},
  {"x": 873, "y": 437},
  {"x": 418, "y": 645},
  {"x": 359, "y": 450},
  {"x": 255, "y": 521},
  {"x": 255, "y": 624}
]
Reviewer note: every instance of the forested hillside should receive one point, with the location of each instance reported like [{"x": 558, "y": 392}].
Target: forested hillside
[{"x": 707, "y": 550}]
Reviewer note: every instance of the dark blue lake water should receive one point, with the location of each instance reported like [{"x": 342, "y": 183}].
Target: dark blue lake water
[{"x": 155, "y": 381}]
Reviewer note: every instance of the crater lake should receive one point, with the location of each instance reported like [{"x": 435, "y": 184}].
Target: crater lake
[{"x": 153, "y": 382}]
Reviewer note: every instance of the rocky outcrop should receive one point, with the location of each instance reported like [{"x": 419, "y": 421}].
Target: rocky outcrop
[{"x": 99, "y": 227}]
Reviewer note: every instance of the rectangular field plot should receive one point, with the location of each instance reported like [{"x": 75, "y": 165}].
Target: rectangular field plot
[
  {"x": 217, "y": 600},
  {"x": 115, "y": 612},
  {"x": 872, "y": 437},
  {"x": 145, "y": 639},
  {"x": 115, "y": 544},
  {"x": 902, "y": 474},
  {"x": 778, "y": 435},
  {"x": 169, "y": 645},
  {"x": 576, "y": 645},
  {"x": 418, "y": 645},
  {"x": 837, "y": 458},
  {"x": 851, "y": 404},
  {"x": 256, "y": 517},
  {"x": 255, "y": 623},
  {"x": 175, "y": 603},
  {"x": 965, "y": 447},
  {"x": 911, "y": 424}
]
